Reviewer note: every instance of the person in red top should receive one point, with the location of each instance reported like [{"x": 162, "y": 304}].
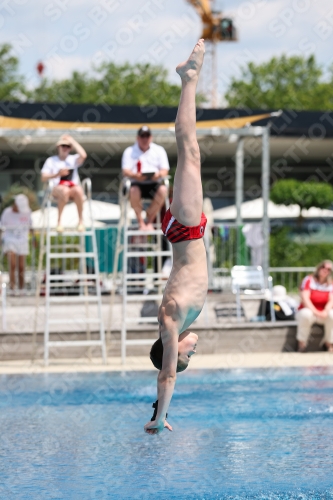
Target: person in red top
[{"x": 316, "y": 305}]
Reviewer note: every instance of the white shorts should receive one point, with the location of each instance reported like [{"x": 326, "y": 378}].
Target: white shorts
[{"x": 18, "y": 247}]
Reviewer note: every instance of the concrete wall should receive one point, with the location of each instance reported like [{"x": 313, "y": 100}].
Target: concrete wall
[{"x": 233, "y": 339}]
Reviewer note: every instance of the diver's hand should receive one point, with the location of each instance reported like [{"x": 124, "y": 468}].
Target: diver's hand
[{"x": 155, "y": 426}]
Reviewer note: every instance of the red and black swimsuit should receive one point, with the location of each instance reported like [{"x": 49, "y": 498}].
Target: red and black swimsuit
[{"x": 176, "y": 232}]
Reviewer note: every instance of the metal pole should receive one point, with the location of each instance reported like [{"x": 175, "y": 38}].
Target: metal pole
[
  {"x": 4, "y": 304},
  {"x": 239, "y": 179},
  {"x": 47, "y": 287},
  {"x": 239, "y": 192},
  {"x": 214, "y": 77},
  {"x": 265, "y": 197},
  {"x": 124, "y": 287}
]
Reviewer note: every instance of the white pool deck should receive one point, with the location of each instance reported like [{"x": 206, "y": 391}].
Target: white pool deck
[
  {"x": 139, "y": 363},
  {"x": 234, "y": 350}
]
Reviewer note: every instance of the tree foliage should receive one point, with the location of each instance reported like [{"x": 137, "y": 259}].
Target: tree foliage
[
  {"x": 283, "y": 82},
  {"x": 109, "y": 83},
  {"x": 303, "y": 194},
  {"x": 72, "y": 90},
  {"x": 11, "y": 83},
  {"x": 285, "y": 252}
]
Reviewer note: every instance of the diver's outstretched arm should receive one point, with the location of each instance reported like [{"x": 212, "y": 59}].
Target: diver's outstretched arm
[{"x": 167, "y": 376}]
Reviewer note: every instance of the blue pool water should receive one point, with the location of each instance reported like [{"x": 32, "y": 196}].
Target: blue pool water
[{"x": 238, "y": 434}]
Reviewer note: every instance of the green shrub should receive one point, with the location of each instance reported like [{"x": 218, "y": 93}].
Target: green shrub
[
  {"x": 15, "y": 189},
  {"x": 287, "y": 253},
  {"x": 303, "y": 194}
]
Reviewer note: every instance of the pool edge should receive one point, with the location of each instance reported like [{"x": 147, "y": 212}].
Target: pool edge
[{"x": 139, "y": 363}]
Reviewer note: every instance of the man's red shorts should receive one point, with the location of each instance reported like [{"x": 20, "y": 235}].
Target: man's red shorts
[{"x": 176, "y": 232}]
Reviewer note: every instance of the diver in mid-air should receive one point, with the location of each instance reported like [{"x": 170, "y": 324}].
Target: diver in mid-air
[{"x": 184, "y": 226}]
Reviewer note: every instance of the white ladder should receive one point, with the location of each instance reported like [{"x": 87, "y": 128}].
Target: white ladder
[
  {"x": 149, "y": 249},
  {"x": 59, "y": 281}
]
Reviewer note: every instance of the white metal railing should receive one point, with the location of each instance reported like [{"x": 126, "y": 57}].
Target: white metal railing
[
  {"x": 289, "y": 277},
  {"x": 225, "y": 254},
  {"x": 3, "y": 291}
]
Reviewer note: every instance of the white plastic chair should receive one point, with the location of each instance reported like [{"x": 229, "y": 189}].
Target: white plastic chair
[{"x": 250, "y": 280}]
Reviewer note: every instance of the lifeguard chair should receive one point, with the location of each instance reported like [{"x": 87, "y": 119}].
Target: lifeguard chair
[
  {"x": 69, "y": 249},
  {"x": 134, "y": 244}
]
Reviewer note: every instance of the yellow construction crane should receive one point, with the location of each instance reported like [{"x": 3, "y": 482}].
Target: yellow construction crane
[{"x": 216, "y": 28}]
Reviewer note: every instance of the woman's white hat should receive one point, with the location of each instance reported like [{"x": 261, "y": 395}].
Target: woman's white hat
[
  {"x": 22, "y": 203},
  {"x": 63, "y": 141}
]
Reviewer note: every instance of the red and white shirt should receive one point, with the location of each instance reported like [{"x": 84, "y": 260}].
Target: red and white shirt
[
  {"x": 153, "y": 160},
  {"x": 319, "y": 292}
]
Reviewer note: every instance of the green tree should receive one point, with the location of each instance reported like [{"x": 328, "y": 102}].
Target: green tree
[
  {"x": 285, "y": 252},
  {"x": 303, "y": 194},
  {"x": 11, "y": 83},
  {"x": 75, "y": 89},
  {"x": 283, "y": 82},
  {"x": 124, "y": 84},
  {"x": 140, "y": 84}
]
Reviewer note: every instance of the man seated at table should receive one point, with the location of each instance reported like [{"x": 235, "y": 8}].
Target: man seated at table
[{"x": 146, "y": 164}]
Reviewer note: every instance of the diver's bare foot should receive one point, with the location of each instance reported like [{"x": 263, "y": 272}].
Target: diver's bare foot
[{"x": 190, "y": 69}]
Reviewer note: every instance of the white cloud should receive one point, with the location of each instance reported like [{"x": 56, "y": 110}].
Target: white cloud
[{"x": 62, "y": 69}]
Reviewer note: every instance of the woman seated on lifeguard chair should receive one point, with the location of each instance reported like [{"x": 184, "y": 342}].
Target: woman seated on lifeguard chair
[{"x": 62, "y": 170}]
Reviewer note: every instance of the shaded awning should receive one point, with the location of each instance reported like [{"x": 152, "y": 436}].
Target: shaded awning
[
  {"x": 253, "y": 210},
  {"x": 30, "y": 124}
]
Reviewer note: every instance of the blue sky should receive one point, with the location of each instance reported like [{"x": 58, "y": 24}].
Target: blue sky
[{"x": 72, "y": 34}]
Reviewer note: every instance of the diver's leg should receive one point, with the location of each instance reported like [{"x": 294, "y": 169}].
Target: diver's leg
[{"x": 187, "y": 199}]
